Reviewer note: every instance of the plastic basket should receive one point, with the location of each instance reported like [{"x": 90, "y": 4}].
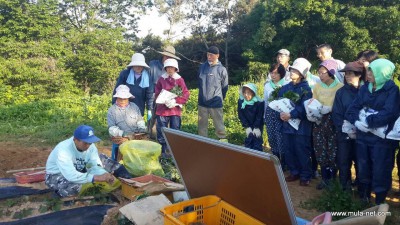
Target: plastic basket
[
  {"x": 210, "y": 210},
  {"x": 30, "y": 177}
]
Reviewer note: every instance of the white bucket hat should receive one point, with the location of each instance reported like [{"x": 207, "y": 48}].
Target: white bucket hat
[
  {"x": 122, "y": 91},
  {"x": 171, "y": 62},
  {"x": 138, "y": 60},
  {"x": 302, "y": 65}
]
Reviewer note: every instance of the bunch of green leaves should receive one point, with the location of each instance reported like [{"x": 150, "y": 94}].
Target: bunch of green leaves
[
  {"x": 176, "y": 90},
  {"x": 274, "y": 94},
  {"x": 93, "y": 190},
  {"x": 23, "y": 213},
  {"x": 292, "y": 96},
  {"x": 50, "y": 204},
  {"x": 170, "y": 170},
  {"x": 334, "y": 199}
]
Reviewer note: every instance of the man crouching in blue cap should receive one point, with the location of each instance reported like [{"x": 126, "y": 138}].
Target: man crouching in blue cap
[{"x": 74, "y": 162}]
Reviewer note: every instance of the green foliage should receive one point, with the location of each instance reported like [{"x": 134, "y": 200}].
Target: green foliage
[
  {"x": 23, "y": 213},
  {"x": 50, "y": 204},
  {"x": 334, "y": 199},
  {"x": 12, "y": 202},
  {"x": 93, "y": 190}
]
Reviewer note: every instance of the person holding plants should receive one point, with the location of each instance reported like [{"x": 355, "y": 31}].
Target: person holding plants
[
  {"x": 297, "y": 143},
  {"x": 123, "y": 119},
  {"x": 375, "y": 155},
  {"x": 74, "y": 162},
  {"x": 137, "y": 78},
  {"x": 155, "y": 72},
  {"x": 346, "y": 143},
  {"x": 324, "y": 138},
  {"x": 251, "y": 113},
  {"x": 169, "y": 114},
  {"x": 272, "y": 119}
]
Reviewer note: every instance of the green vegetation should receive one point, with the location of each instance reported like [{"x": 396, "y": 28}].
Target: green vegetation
[
  {"x": 23, "y": 213},
  {"x": 50, "y": 204},
  {"x": 335, "y": 199}
]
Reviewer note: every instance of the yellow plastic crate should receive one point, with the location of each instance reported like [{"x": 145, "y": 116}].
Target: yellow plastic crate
[{"x": 210, "y": 210}]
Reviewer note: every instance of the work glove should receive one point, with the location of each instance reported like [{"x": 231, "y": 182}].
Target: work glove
[
  {"x": 149, "y": 115},
  {"x": 361, "y": 126},
  {"x": 171, "y": 103},
  {"x": 141, "y": 125},
  {"x": 352, "y": 135},
  {"x": 326, "y": 109},
  {"x": 257, "y": 132},
  {"x": 248, "y": 131},
  {"x": 114, "y": 131}
]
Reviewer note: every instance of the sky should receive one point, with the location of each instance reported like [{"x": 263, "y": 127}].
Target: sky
[{"x": 153, "y": 23}]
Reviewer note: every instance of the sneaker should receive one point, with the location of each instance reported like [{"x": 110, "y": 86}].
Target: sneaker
[
  {"x": 291, "y": 178},
  {"x": 305, "y": 183}
]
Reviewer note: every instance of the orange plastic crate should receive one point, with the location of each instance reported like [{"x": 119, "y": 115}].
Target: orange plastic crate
[
  {"x": 30, "y": 177},
  {"x": 210, "y": 210}
]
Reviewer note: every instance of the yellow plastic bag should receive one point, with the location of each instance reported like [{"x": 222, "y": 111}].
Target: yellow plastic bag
[
  {"x": 102, "y": 187},
  {"x": 140, "y": 157}
]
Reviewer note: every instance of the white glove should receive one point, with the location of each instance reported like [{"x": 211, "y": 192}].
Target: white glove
[
  {"x": 326, "y": 109},
  {"x": 257, "y": 132},
  {"x": 352, "y": 136},
  {"x": 248, "y": 131},
  {"x": 361, "y": 126},
  {"x": 114, "y": 131},
  {"x": 171, "y": 103},
  {"x": 141, "y": 125}
]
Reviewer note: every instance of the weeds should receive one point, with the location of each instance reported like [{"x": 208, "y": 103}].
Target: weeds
[
  {"x": 50, "y": 204},
  {"x": 334, "y": 199},
  {"x": 23, "y": 213}
]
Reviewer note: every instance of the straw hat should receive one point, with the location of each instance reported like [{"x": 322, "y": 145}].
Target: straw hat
[
  {"x": 138, "y": 60},
  {"x": 169, "y": 51}
]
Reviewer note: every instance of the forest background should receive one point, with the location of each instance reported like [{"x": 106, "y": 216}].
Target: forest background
[{"x": 59, "y": 60}]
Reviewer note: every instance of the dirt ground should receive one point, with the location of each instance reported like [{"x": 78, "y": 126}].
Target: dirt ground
[{"x": 16, "y": 156}]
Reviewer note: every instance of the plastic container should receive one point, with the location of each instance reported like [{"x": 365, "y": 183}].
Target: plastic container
[
  {"x": 210, "y": 210},
  {"x": 30, "y": 176}
]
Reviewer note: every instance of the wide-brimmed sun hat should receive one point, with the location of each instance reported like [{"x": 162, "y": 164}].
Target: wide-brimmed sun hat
[
  {"x": 169, "y": 51},
  {"x": 172, "y": 63},
  {"x": 123, "y": 91},
  {"x": 138, "y": 60}
]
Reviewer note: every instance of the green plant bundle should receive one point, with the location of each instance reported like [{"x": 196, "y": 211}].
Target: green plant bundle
[
  {"x": 176, "y": 90},
  {"x": 274, "y": 94},
  {"x": 292, "y": 96}
]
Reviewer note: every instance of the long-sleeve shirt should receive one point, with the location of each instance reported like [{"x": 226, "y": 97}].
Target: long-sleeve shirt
[
  {"x": 126, "y": 119},
  {"x": 167, "y": 83},
  {"x": 75, "y": 166}
]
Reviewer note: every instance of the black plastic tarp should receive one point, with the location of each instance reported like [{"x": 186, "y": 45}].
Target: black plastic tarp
[
  {"x": 89, "y": 215},
  {"x": 16, "y": 191}
]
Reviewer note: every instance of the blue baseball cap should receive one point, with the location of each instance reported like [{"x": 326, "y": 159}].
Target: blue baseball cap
[{"x": 85, "y": 133}]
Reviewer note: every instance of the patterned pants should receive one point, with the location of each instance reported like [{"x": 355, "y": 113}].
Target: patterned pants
[
  {"x": 325, "y": 143},
  {"x": 62, "y": 186}
]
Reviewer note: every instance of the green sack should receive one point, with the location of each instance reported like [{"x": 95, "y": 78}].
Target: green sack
[{"x": 140, "y": 157}]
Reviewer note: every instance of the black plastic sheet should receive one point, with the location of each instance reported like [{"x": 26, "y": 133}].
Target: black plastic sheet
[
  {"x": 89, "y": 215},
  {"x": 16, "y": 191}
]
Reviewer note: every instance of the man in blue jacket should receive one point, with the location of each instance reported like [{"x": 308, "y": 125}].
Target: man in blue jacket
[{"x": 213, "y": 85}]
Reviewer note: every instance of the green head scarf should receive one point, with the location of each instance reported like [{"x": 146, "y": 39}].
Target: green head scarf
[
  {"x": 382, "y": 70},
  {"x": 255, "y": 98}
]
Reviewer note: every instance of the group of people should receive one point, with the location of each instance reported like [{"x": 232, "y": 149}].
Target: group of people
[
  {"x": 343, "y": 92},
  {"x": 75, "y": 161}
]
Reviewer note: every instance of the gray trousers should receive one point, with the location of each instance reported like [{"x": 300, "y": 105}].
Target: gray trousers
[
  {"x": 62, "y": 187},
  {"x": 218, "y": 120}
]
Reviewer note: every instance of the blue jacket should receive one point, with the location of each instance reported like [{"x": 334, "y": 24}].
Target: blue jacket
[
  {"x": 299, "y": 112},
  {"x": 252, "y": 115},
  {"x": 385, "y": 100},
  {"x": 143, "y": 96},
  {"x": 343, "y": 99},
  {"x": 213, "y": 85},
  {"x": 156, "y": 70}
]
